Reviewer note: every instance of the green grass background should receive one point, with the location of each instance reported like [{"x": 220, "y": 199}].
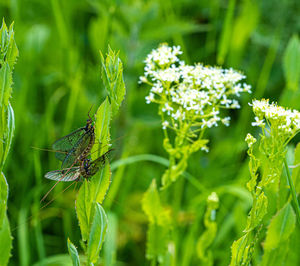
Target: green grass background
[{"x": 57, "y": 80}]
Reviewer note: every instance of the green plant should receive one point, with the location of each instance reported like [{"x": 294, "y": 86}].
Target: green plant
[
  {"x": 279, "y": 126},
  {"x": 8, "y": 56},
  {"x": 91, "y": 215},
  {"x": 190, "y": 99}
]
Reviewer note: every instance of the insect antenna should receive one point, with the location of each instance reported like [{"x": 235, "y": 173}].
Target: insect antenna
[
  {"x": 42, "y": 149},
  {"x": 44, "y": 206},
  {"x": 90, "y": 111}
]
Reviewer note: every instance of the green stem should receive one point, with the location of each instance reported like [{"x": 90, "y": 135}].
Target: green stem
[{"x": 293, "y": 191}]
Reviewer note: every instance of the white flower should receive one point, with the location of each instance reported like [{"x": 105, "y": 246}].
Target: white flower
[
  {"x": 167, "y": 108},
  {"x": 250, "y": 140},
  {"x": 194, "y": 93},
  {"x": 157, "y": 88},
  {"x": 205, "y": 148},
  {"x": 142, "y": 79},
  {"x": 165, "y": 124},
  {"x": 285, "y": 120},
  {"x": 226, "y": 121},
  {"x": 258, "y": 122},
  {"x": 149, "y": 98}
]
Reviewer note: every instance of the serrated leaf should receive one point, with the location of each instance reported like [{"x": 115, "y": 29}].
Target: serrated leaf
[
  {"x": 100, "y": 183},
  {"x": 240, "y": 251},
  {"x": 97, "y": 233},
  {"x": 152, "y": 206},
  {"x": 112, "y": 76},
  {"x": 84, "y": 207},
  {"x": 5, "y": 84},
  {"x": 291, "y": 63},
  {"x": 257, "y": 213},
  {"x": 3, "y": 197},
  {"x": 73, "y": 253},
  {"x": 6, "y": 242},
  {"x": 9, "y": 50},
  {"x": 8, "y": 134},
  {"x": 102, "y": 135},
  {"x": 280, "y": 228}
]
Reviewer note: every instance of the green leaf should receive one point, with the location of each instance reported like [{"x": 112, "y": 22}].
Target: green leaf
[
  {"x": 240, "y": 251},
  {"x": 5, "y": 84},
  {"x": 257, "y": 213},
  {"x": 160, "y": 224},
  {"x": 291, "y": 63},
  {"x": 6, "y": 242},
  {"x": 97, "y": 233},
  {"x": 296, "y": 170},
  {"x": 8, "y": 134},
  {"x": 277, "y": 256},
  {"x": 100, "y": 183},
  {"x": 157, "y": 242},
  {"x": 3, "y": 197},
  {"x": 111, "y": 241},
  {"x": 280, "y": 228},
  {"x": 9, "y": 50},
  {"x": 112, "y": 76},
  {"x": 84, "y": 204},
  {"x": 73, "y": 253},
  {"x": 102, "y": 135},
  {"x": 152, "y": 207}
]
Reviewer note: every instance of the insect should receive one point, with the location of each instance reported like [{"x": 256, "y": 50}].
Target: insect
[
  {"x": 75, "y": 146},
  {"x": 86, "y": 169}
]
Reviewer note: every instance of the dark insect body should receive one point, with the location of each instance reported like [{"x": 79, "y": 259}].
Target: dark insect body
[
  {"x": 76, "y": 146},
  {"x": 86, "y": 169}
]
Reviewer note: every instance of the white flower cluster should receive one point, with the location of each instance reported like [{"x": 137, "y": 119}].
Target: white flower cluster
[
  {"x": 278, "y": 118},
  {"x": 250, "y": 140},
  {"x": 195, "y": 93}
]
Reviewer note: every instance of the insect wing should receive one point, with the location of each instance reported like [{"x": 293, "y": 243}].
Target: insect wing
[
  {"x": 76, "y": 151},
  {"x": 67, "y": 143},
  {"x": 99, "y": 163},
  {"x": 64, "y": 174}
]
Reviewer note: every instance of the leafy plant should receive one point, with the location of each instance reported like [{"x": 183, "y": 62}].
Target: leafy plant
[
  {"x": 8, "y": 56},
  {"x": 279, "y": 126},
  {"x": 91, "y": 215},
  {"x": 189, "y": 99}
]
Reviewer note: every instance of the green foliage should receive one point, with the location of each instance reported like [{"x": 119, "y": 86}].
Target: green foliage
[
  {"x": 280, "y": 228},
  {"x": 56, "y": 81},
  {"x": 112, "y": 76},
  {"x": 208, "y": 236},
  {"x": 158, "y": 234},
  {"x": 296, "y": 170},
  {"x": 97, "y": 234},
  {"x": 8, "y": 56},
  {"x": 73, "y": 253},
  {"x": 291, "y": 63},
  {"x": 102, "y": 135},
  {"x": 6, "y": 241},
  {"x": 91, "y": 216}
]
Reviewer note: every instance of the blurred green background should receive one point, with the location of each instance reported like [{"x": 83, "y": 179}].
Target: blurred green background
[{"x": 57, "y": 80}]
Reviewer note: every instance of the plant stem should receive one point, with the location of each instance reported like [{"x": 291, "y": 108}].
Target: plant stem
[{"x": 293, "y": 191}]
